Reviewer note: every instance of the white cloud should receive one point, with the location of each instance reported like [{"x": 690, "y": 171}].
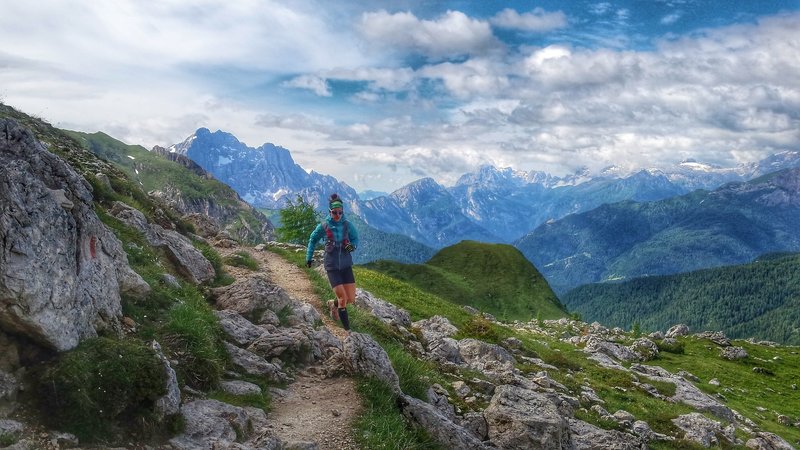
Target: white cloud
[
  {"x": 557, "y": 108},
  {"x": 537, "y": 20},
  {"x": 444, "y": 164},
  {"x": 311, "y": 82},
  {"x": 474, "y": 77},
  {"x": 151, "y": 73},
  {"x": 451, "y": 35},
  {"x": 392, "y": 79},
  {"x": 172, "y": 36},
  {"x": 671, "y": 18},
  {"x": 600, "y": 8}
]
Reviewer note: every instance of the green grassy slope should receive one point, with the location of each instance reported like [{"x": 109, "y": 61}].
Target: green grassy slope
[
  {"x": 154, "y": 172},
  {"x": 494, "y": 278},
  {"x": 762, "y": 396},
  {"x": 760, "y": 299}
]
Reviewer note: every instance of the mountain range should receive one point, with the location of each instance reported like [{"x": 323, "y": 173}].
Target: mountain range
[
  {"x": 155, "y": 348},
  {"x": 730, "y": 225},
  {"x": 490, "y": 204}
]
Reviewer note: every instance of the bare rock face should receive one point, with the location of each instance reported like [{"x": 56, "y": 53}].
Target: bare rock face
[
  {"x": 213, "y": 424},
  {"x": 441, "y": 428},
  {"x": 734, "y": 353},
  {"x": 188, "y": 260},
  {"x": 768, "y": 441},
  {"x": 61, "y": 269},
  {"x": 438, "y": 344},
  {"x": 686, "y": 392},
  {"x": 589, "y": 437},
  {"x": 205, "y": 226},
  {"x": 382, "y": 309},
  {"x": 254, "y": 298},
  {"x": 485, "y": 357},
  {"x": 253, "y": 364},
  {"x": 239, "y": 330},
  {"x": 522, "y": 418},
  {"x": 677, "y": 330},
  {"x": 364, "y": 356},
  {"x": 170, "y": 403},
  {"x": 614, "y": 350},
  {"x": 703, "y": 430}
]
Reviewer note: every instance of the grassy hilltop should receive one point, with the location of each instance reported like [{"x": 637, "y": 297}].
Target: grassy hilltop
[{"x": 494, "y": 278}]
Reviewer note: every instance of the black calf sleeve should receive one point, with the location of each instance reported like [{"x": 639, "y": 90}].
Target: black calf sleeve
[{"x": 343, "y": 317}]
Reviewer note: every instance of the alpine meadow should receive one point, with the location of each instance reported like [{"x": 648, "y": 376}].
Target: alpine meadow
[{"x": 411, "y": 225}]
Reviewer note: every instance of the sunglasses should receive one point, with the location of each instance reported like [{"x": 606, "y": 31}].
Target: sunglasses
[{"x": 336, "y": 213}]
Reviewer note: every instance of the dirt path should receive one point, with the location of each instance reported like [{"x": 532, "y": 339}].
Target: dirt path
[{"x": 312, "y": 408}]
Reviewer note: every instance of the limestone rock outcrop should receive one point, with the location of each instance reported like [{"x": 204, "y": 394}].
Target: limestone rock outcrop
[
  {"x": 187, "y": 259},
  {"x": 522, "y": 418},
  {"x": 61, "y": 269}
]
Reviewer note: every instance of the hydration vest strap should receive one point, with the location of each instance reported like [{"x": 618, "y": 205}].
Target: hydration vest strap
[{"x": 329, "y": 233}]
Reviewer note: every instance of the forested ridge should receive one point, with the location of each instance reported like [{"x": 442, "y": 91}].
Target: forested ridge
[{"x": 760, "y": 299}]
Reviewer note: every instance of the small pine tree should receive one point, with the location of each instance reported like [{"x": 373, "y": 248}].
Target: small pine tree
[
  {"x": 298, "y": 220},
  {"x": 636, "y": 330}
]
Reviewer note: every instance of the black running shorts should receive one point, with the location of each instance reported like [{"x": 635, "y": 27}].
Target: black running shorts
[{"x": 343, "y": 276}]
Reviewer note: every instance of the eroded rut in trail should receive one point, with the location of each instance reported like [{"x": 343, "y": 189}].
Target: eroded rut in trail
[{"x": 312, "y": 408}]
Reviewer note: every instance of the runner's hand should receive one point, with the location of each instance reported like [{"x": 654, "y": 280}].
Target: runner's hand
[{"x": 349, "y": 248}]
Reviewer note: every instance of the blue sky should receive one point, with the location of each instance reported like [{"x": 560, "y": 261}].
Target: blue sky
[{"x": 380, "y": 93}]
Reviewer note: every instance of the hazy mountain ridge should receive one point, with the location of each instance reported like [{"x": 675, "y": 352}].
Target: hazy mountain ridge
[
  {"x": 425, "y": 211},
  {"x": 376, "y": 244},
  {"x": 730, "y": 225},
  {"x": 265, "y": 177},
  {"x": 490, "y": 204}
]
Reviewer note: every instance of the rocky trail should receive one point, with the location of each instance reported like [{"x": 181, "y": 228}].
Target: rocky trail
[{"x": 312, "y": 408}]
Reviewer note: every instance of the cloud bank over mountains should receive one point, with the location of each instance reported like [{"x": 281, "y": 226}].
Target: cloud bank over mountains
[{"x": 380, "y": 96}]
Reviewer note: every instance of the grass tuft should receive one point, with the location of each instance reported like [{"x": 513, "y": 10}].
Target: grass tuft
[
  {"x": 193, "y": 334},
  {"x": 221, "y": 278},
  {"x": 479, "y": 327},
  {"x": 8, "y": 439},
  {"x": 101, "y": 384},
  {"x": 677, "y": 347},
  {"x": 242, "y": 259},
  {"x": 381, "y": 426}
]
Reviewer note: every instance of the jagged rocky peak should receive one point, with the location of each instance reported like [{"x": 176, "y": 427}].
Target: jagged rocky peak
[
  {"x": 203, "y": 137},
  {"x": 778, "y": 161},
  {"x": 418, "y": 191},
  {"x": 266, "y": 176},
  {"x": 488, "y": 175}
]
